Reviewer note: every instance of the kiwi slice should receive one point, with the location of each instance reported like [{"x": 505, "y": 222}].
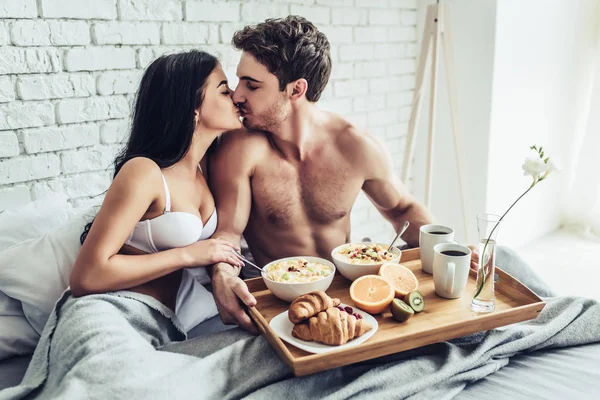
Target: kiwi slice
[
  {"x": 415, "y": 300},
  {"x": 400, "y": 310}
]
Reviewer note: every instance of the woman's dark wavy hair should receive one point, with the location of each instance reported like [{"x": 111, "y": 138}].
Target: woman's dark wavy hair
[{"x": 162, "y": 123}]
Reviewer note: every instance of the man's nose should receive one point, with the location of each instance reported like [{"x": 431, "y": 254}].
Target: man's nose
[{"x": 238, "y": 96}]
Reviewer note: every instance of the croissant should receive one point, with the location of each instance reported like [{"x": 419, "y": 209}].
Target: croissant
[
  {"x": 308, "y": 305},
  {"x": 332, "y": 327}
]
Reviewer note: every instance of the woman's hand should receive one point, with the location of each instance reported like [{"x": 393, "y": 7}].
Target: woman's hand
[{"x": 211, "y": 251}]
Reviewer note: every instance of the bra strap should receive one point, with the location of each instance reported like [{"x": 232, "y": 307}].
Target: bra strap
[{"x": 168, "y": 196}]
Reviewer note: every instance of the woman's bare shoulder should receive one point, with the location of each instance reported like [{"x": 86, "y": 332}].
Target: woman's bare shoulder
[{"x": 140, "y": 169}]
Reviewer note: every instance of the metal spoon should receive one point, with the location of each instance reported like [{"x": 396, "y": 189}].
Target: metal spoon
[
  {"x": 245, "y": 260},
  {"x": 404, "y": 228}
]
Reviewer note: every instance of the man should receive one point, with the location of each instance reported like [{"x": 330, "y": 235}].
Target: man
[{"x": 289, "y": 182}]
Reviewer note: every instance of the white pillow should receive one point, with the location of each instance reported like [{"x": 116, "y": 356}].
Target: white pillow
[
  {"x": 17, "y": 336},
  {"x": 33, "y": 219},
  {"x": 9, "y": 307},
  {"x": 36, "y": 272}
]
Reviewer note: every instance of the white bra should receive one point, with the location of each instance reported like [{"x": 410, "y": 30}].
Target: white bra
[
  {"x": 171, "y": 229},
  {"x": 194, "y": 303}
]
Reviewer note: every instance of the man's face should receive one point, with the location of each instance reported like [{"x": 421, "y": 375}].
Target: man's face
[{"x": 263, "y": 106}]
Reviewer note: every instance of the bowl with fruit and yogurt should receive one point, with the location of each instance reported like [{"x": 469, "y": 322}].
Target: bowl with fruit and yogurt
[
  {"x": 354, "y": 260},
  {"x": 288, "y": 278}
]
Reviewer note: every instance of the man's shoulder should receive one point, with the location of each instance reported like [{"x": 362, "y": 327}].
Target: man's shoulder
[
  {"x": 348, "y": 136},
  {"x": 244, "y": 146},
  {"x": 367, "y": 152},
  {"x": 245, "y": 138}
]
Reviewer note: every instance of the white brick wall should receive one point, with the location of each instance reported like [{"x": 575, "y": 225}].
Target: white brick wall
[
  {"x": 56, "y": 86},
  {"x": 69, "y": 33},
  {"x": 13, "y": 195},
  {"x": 3, "y": 34},
  {"x": 126, "y": 33},
  {"x": 316, "y": 14},
  {"x": 150, "y": 10},
  {"x": 28, "y": 168},
  {"x": 15, "y": 60},
  {"x": 18, "y": 114},
  {"x": 10, "y": 144},
  {"x": 258, "y": 12},
  {"x": 91, "y": 109},
  {"x": 99, "y": 58},
  {"x": 49, "y": 33},
  {"x": 18, "y": 9},
  {"x": 118, "y": 82},
  {"x": 49, "y": 139},
  {"x": 114, "y": 131},
  {"x": 348, "y": 16},
  {"x": 7, "y": 89},
  {"x": 78, "y": 9},
  {"x": 189, "y": 33},
  {"x": 69, "y": 69},
  {"x": 198, "y": 10}
]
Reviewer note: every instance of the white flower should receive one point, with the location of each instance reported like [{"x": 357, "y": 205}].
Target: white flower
[
  {"x": 534, "y": 166},
  {"x": 554, "y": 165},
  {"x": 538, "y": 165}
]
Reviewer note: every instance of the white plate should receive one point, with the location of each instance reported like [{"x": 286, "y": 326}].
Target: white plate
[{"x": 283, "y": 328}]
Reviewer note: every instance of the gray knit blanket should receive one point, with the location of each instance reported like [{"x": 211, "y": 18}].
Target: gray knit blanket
[{"x": 126, "y": 345}]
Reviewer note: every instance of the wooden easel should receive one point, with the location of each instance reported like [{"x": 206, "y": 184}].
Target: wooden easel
[{"x": 437, "y": 29}]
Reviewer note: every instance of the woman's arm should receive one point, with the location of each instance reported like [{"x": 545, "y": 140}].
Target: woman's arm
[{"x": 98, "y": 268}]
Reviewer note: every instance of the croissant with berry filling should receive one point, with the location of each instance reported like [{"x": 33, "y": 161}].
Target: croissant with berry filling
[
  {"x": 308, "y": 305},
  {"x": 332, "y": 327}
]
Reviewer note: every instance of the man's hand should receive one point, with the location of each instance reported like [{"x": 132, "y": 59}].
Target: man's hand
[
  {"x": 474, "y": 257},
  {"x": 229, "y": 290}
]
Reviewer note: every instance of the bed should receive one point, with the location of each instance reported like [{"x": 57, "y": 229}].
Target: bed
[
  {"x": 558, "y": 373},
  {"x": 570, "y": 373}
]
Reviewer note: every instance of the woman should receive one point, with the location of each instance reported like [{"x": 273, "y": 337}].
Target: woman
[
  {"x": 158, "y": 214},
  {"x": 137, "y": 281}
]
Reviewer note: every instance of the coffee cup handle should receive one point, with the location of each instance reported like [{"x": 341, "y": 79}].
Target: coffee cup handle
[{"x": 450, "y": 277}]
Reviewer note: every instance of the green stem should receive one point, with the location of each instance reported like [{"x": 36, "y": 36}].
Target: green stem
[{"x": 490, "y": 236}]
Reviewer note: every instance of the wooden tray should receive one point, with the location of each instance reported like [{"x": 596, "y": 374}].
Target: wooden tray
[{"x": 441, "y": 320}]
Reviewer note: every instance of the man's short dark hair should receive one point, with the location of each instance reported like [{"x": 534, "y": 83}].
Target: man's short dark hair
[{"x": 291, "y": 48}]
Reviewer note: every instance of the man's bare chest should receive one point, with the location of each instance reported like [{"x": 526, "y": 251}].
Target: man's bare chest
[{"x": 320, "y": 193}]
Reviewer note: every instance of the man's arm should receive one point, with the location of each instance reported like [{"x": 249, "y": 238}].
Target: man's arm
[
  {"x": 388, "y": 194},
  {"x": 230, "y": 171}
]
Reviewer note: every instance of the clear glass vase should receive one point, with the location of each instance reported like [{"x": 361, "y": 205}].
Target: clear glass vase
[{"x": 488, "y": 226}]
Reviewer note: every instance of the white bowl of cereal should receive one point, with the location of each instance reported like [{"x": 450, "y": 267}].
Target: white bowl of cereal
[
  {"x": 288, "y": 278},
  {"x": 354, "y": 260}
]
